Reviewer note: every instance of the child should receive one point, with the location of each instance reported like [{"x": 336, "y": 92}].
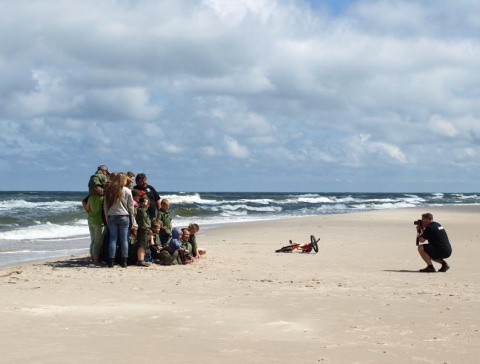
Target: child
[
  {"x": 155, "y": 243},
  {"x": 197, "y": 252},
  {"x": 173, "y": 253},
  {"x": 186, "y": 246},
  {"x": 144, "y": 226},
  {"x": 164, "y": 216},
  {"x": 136, "y": 197}
]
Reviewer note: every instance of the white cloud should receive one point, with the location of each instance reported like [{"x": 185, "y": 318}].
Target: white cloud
[
  {"x": 235, "y": 149},
  {"x": 243, "y": 84}
]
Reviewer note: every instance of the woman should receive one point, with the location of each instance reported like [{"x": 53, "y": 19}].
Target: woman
[{"x": 119, "y": 212}]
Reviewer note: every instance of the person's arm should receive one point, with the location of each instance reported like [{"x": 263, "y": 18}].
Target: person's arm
[
  {"x": 420, "y": 231},
  {"x": 86, "y": 204},
  {"x": 130, "y": 207}
]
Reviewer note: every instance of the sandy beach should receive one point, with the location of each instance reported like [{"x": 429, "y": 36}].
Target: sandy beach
[{"x": 360, "y": 299}]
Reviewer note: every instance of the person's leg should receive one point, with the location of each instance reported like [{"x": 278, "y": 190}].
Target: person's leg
[
  {"x": 142, "y": 242},
  {"x": 91, "y": 228},
  {"x": 123, "y": 238},
  {"x": 114, "y": 232},
  {"x": 427, "y": 259},
  {"x": 141, "y": 254},
  {"x": 444, "y": 264},
  {"x": 424, "y": 255},
  {"x": 98, "y": 234}
]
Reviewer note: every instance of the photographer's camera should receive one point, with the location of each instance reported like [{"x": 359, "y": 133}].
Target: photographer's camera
[{"x": 418, "y": 222}]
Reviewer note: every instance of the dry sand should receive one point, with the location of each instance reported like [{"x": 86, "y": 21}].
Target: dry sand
[{"x": 359, "y": 300}]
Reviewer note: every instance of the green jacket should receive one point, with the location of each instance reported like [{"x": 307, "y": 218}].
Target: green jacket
[
  {"x": 96, "y": 210},
  {"x": 193, "y": 243},
  {"x": 186, "y": 245},
  {"x": 143, "y": 219},
  {"x": 156, "y": 240},
  {"x": 98, "y": 179},
  {"x": 166, "y": 219}
]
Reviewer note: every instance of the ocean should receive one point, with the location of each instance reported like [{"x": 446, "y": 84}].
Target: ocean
[{"x": 38, "y": 225}]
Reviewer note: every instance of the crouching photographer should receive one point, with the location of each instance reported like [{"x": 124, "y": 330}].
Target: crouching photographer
[{"x": 438, "y": 247}]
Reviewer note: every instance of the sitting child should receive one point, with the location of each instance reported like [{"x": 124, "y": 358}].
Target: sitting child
[
  {"x": 164, "y": 216},
  {"x": 186, "y": 245},
  {"x": 173, "y": 252},
  {"x": 196, "y": 251},
  {"x": 155, "y": 243}
]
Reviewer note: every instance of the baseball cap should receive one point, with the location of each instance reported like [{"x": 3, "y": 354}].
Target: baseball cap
[{"x": 103, "y": 167}]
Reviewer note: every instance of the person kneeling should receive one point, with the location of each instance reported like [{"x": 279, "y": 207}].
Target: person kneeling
[{"x": 438, "y": 247}]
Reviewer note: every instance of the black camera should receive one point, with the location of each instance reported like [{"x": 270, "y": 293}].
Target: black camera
[{"x": 418, "y": 222}]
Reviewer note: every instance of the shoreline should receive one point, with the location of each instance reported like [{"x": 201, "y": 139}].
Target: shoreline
[
  {"x": 359, "y": 299},
  {"x": 228, "y": 225}
]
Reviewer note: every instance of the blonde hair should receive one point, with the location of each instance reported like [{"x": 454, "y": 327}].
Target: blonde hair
[
  {"x": 114, "y": 191},
  {"x": 130, "y": 179},
  {"x": 194, "y": 227},
  {"x": 157, "y": 222}
]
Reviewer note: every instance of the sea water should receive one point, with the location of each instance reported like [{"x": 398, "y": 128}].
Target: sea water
[{"x": 37, "y": 225}]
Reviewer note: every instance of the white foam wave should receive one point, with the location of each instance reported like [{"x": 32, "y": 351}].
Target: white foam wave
[
  {"x": 467, "y": 197},
  {"x": 189, "y": 199},
  {"x": 241, "y": 207},
  {"x": 9, "y": 205},
  {"x": 48, "y": 231},
  {"x": 29, "y": 251}
]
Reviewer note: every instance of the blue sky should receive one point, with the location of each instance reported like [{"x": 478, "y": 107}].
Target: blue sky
[{"x": 245, "y": 95}]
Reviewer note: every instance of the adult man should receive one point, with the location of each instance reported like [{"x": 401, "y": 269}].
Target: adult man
[
  {"x": 96, "y": 184},
  {"x": 438, "y": 247},
  {"x": 152, "y": 194}
]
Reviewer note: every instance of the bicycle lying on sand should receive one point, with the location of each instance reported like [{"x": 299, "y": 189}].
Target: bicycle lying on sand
[{"x": 305, "y": 248}]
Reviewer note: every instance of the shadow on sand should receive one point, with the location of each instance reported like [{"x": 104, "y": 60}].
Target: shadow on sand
[
  {"x": 402, "y": 271},
  {"x": 72, "y": 262}
]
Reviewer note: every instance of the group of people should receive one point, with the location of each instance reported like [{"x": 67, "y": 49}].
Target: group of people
[{"x": 131, "y": 224}]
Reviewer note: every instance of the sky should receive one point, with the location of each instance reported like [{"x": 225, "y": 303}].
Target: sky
[{"x": 242, "y": 95}]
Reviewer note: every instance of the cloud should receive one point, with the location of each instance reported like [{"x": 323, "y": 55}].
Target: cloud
[
  {"x": 352, "y": 92},
  {"x": 234, "y": 148}
]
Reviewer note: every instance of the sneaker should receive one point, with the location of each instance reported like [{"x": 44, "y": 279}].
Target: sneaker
[
  {"x": 444, "y": 268},
  {"x": 428, "y": 269},
  {"x": 142, "y": 264}
]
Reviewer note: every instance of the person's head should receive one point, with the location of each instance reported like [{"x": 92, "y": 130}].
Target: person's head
[
  {"x": 156, "y": 225},
  {"x": 144, "y": 201},
  {"x": 131, "y": 179},
  {"x": 104, "y": 169},
  {"x": 427, "y": 219},
  {"x": 185, "y": 234},
  {"x": 193, "y": 228},
  {"x": 164, "y": 204},
  {"x": 136, "y": 195},
  {"x": 141, "y": 180},
  {"x": 176, "y": 233}
]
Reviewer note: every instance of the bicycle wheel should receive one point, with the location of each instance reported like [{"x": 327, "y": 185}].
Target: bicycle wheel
[
  {"x": 285, "y": 249},
  {"x": 314, "y": 244}
]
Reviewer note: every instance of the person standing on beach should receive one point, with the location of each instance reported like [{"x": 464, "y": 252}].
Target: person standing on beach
[
  {"x": 144, "y": 230},
  {"x": 119, "y": 210},
  {"x": 93, "y": 205},
  {"x": 152, "y": 194},
  {"x": 438, "y": 247}
]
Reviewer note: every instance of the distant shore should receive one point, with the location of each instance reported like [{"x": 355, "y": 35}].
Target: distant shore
[{"x": 360, "y": 299}]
